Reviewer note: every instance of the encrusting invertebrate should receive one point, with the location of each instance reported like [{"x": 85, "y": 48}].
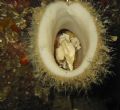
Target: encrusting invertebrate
[
  {"x": 66, "y": 51},
  {"x": 87, "y": 54}
]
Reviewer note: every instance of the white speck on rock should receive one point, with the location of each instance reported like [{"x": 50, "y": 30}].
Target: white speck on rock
[{"x": 0, "y": 41}]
